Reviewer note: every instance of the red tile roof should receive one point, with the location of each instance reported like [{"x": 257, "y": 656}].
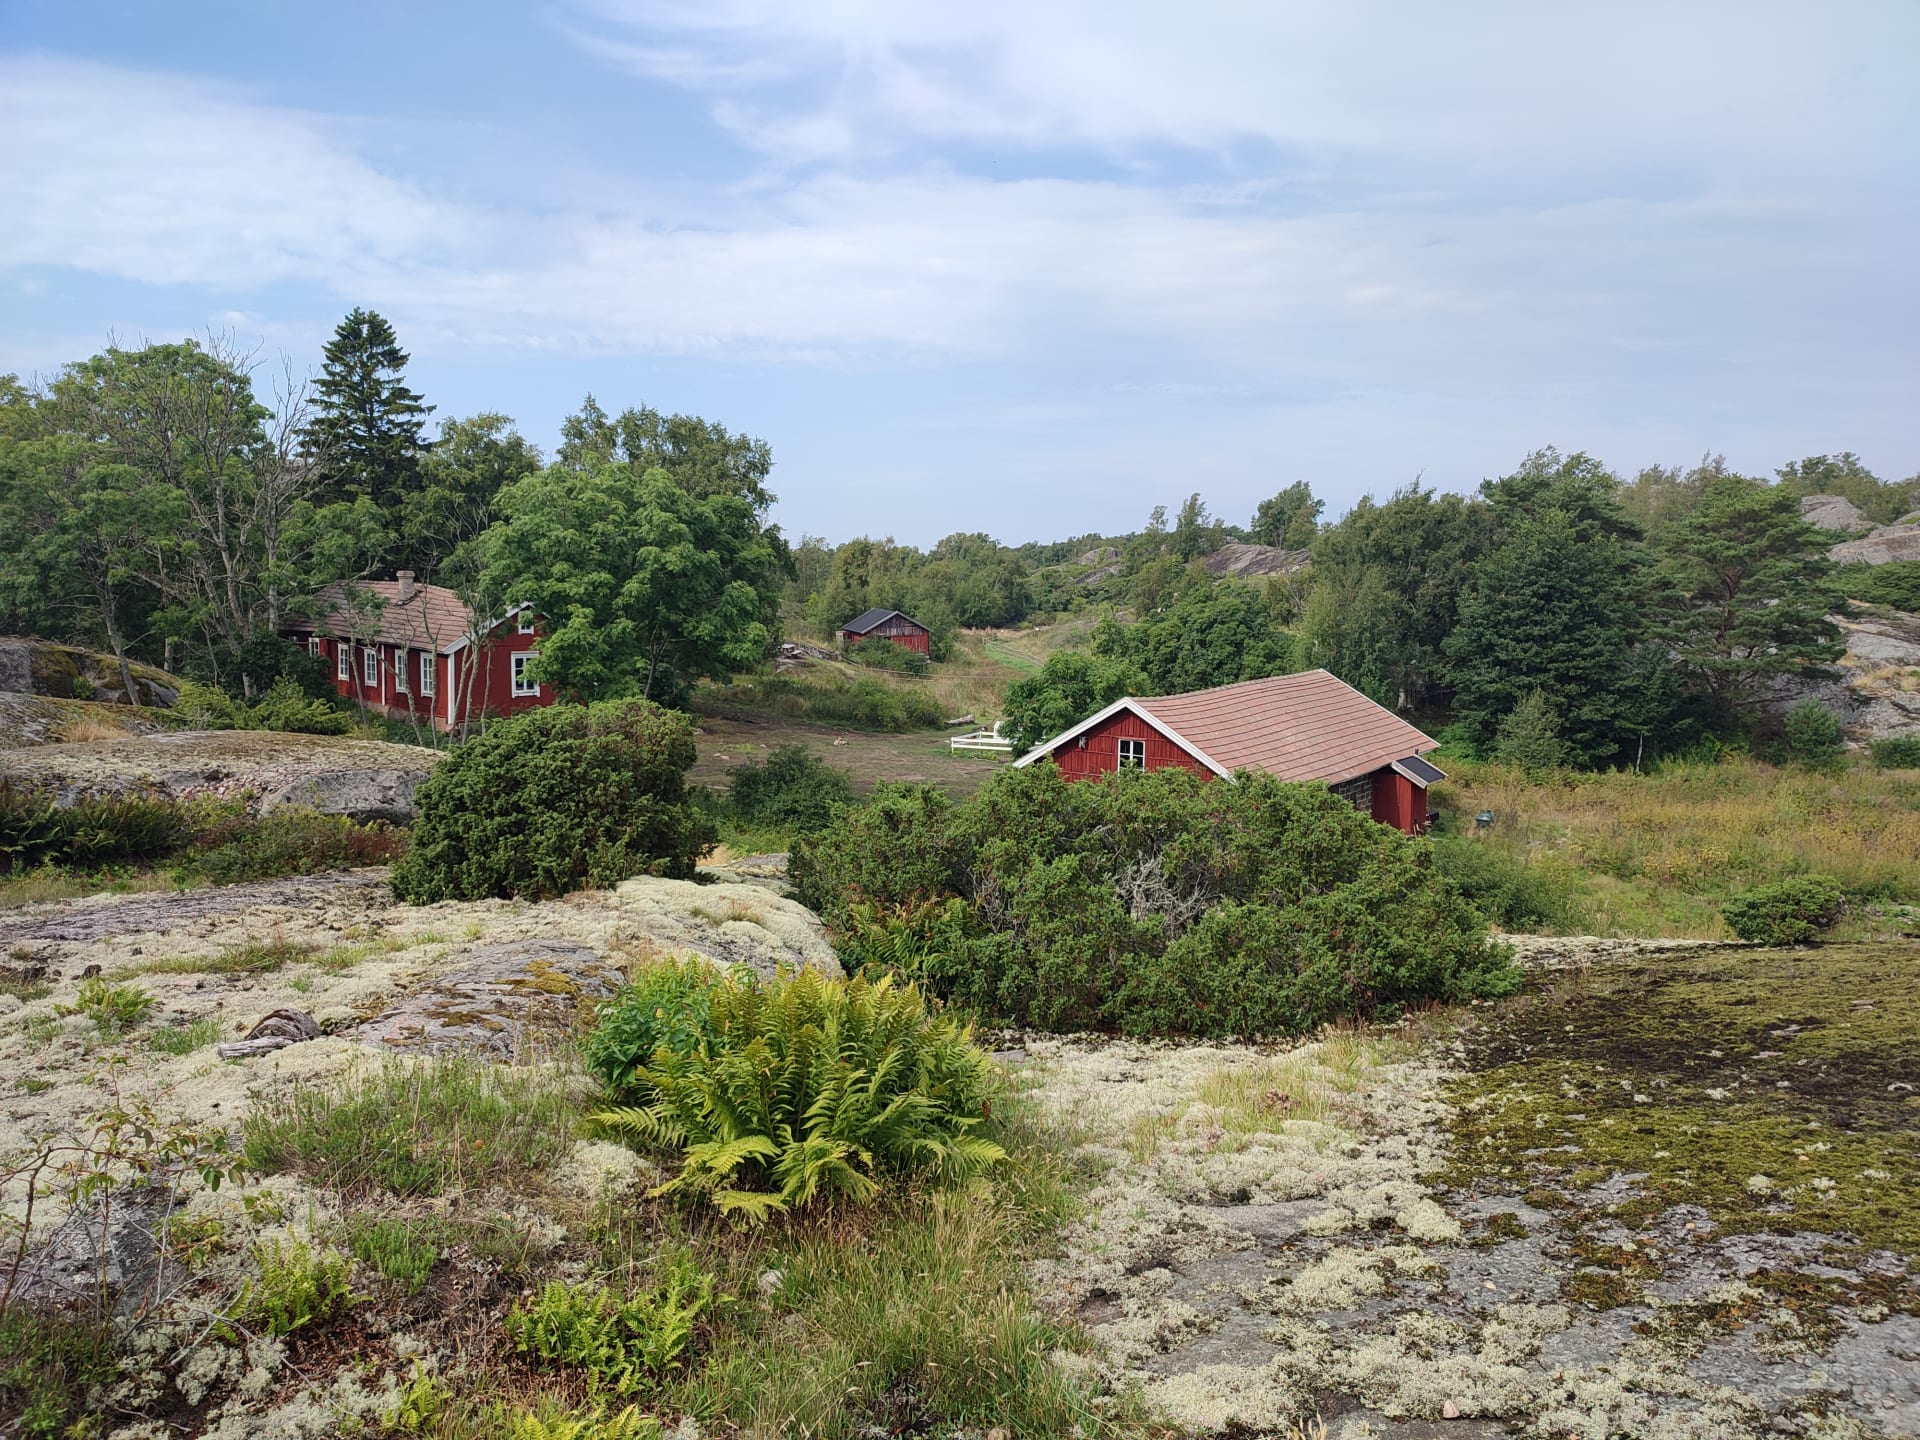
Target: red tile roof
[
  {"x": 1299, "y": 727},
  {"x": 432, "y": 618}
]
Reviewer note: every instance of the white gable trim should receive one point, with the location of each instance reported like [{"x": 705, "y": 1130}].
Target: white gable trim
[
  {"x": 466, "y": 640},
  {"x": 1126, "y": 702}
]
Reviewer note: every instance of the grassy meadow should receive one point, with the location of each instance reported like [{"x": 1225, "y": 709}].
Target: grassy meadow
[{"x": 1658, "y": 854}]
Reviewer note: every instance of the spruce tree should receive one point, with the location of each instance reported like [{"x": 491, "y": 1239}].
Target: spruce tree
[{"x": 368, "y": 425}]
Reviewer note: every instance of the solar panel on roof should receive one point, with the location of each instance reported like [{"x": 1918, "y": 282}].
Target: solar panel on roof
[{"x": 1420, "y": 771}]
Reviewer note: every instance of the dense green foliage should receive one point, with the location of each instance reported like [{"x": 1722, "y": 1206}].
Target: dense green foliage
[
  {"x": 1207, "y": 634},
  {"x": 800, "y": 1089},
  {"x": 1510, "y": 892},
  {"x": 792, "y": 789},
  {"x": 1899, "y": 752},
  {"x": 1069, "y": 687},
  {"x": 624, "y": 1344},
  {"x": 557, "y": 800},
  {"x": 1897, "y": 584},
  {"x": 294, "y": 1286},
  {"x": 368, "y": 423},
  {"x": 881, "y": 653},
  {"x": 665, "y": 1005},
  {"x": 1156, "y": 903},
  {"x": 1814, "y": 736},
  {"x": 1789, "y": 912}
]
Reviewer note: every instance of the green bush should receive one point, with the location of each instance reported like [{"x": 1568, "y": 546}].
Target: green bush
[
  {"x": 792, "y": 789},
  {"x": 94, "y": 830},
  {"x": 412, "y": 1129},
  {"x": 1510, "y": 891},
  {"x": 1901, "y": 752},
  {"x": 1813, "y": 736},
  {"x": 49, "y": 1360},
  {"x": 397, "y": 1249},
  {"x": 114, "y": 1009},
  {"x": 862, "y": 704},
  {"x": 623, "y": 1345},
  {"x": 880, "y": 653},
  {"x": 290, "y": 841},
  {"x": 287, "y": 707},
  {"x": 296, "y": 1286},
  {"x": 1158, "y": 903},
  {"x": 803, "y": 1088},
  {"x": 557, "y": 800},
  {"x": 1896, "y": 585},
  {"x": 1791, "y": 912},
  {"x": 665, "y": 1005}
]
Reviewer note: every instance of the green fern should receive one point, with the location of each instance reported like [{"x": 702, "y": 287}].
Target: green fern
[{"x": 804, "y": 1089}]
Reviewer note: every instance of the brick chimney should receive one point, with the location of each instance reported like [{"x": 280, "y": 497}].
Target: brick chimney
[{"x": 405, "y": 593}]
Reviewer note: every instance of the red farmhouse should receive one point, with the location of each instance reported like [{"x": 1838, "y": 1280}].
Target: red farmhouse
[
  {"x": 888, "y": 625},
  {"x": 416, "y": 658},
  {"x": 1298, "y": 727}
]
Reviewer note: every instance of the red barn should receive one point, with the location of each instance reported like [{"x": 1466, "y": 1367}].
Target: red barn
[
  {"x": 1298, "y": 727},
  {"x": 423, "y": 655},
  {"x": 888, "y": 625}
]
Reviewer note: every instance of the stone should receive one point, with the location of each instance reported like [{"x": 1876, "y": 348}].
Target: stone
[
  {"x": 1834, "y": 512},
  {"x": 1884, "y": 546},
  {"x": 360, "y": 795},
  {"x": 504, "y": 1002}
]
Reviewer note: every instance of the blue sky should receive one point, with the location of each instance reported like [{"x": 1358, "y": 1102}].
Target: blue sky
[{"x": 1025, "y": 268}]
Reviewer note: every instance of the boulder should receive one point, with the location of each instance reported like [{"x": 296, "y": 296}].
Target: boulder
[
  {"x": 1834, "y": 512},
  {"x": 1235, "y": 558},
  {"x": 1884, "y": 546},
  {"x": 362, "y": 795},
  {"x": 67, "y": 672}
]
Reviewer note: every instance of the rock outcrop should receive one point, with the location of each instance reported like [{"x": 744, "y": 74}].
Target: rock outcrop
[
  {"x": 1875, "y": 687},
  {"x": 1235, "y": 558},
  {"x": 66, "y": 672},
  {"x": 1884, "y": 546},
  {"x": 1834, "y": 512},
  {"x": 363, "y": 779}
]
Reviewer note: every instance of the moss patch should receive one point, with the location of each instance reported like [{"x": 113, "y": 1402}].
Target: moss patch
[{"x": 1771, "y": 1089}]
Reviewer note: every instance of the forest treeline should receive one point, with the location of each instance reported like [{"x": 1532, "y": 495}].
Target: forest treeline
[{"x": 177, "y": 503}]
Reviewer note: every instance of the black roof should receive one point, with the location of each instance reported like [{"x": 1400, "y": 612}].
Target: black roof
[
  {"x": 1414, "y": 768},
  {"x": 860, "y": 625}
]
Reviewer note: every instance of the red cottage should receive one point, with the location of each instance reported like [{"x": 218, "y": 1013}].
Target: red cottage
[
  {"x": 1298, "y": 727},
  {"x": 424, "y": 656},
  {"x": 889, "y": 625}
]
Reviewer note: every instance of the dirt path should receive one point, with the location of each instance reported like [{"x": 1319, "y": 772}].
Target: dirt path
[{"x": 1429, "y": 1236}]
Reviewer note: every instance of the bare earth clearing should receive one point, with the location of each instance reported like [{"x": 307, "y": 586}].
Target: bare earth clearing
[{"x": 1667, "y": 1193}]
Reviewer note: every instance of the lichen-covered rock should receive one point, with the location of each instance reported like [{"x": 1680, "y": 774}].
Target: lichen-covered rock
[
  {"x": 502, "y": 1002},
  {"x": 1834, "y": 512},
  {"x": 67, "y": 672},
  {"x": 1883, "y": 546}
]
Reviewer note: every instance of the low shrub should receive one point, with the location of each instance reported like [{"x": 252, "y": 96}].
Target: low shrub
[
  {"x": 1813, "y": 735},
  {"x": 1897, "y": 584},
  {"x": 880, "y": 653},
  {"x": 114, "y": 1009},
  {"x": 296, "y": 1286},
  {"x": 792, "y": 789},
  {"x": 1511, "y": 891},
  {"x": 396, "y": 1248},
  {"x": 291, "y": 841},
  {"x": 802, "y": 1088},
  {"x": 413, "y": 1129},
  {"x": 287, "y": 707},
  {"x": 628, "y": 1424},
  {"x": 557, "y": 800},
  {"x": 1156, "y": 903},
  {"x": 49, "y": 1360},
  {"x": 622, "y": 1345},
  {"x": 93, "y": 830},
  {"x": 859, "y": 704},
  {"x": 1791, "y": 912},
  {"x": 185, "y": 1039},
  {"x": 666, "y": 1005},
  {"x": 1900, "y": 752}
]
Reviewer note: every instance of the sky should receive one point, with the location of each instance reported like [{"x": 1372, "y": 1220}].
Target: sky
[{"x": 1029, "y": 268}]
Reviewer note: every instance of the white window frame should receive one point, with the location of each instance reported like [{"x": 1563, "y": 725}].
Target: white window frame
[
  {"x": 1132, "y": 753},
  {"x": 402, "y": 658},
  {"x": 523, "y": 623},
  {"x": 343, "y": 660},
  {"x": 313, "y": 646},
  {"x": 429, "y": 674},
  {"x": 370, "y": 667},
  {"x": 522, "y": 687}
]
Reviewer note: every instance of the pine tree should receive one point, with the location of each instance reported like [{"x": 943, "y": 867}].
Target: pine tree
[
  {"x": 369, "y": 425},
  {"x": 1529, "y": 737}
]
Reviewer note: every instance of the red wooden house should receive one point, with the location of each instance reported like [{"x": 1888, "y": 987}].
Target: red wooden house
[
  {"x": 888, "y": 625},
  {"x": 1298, "y": 727},
  {"x": 422, "y": 655}
]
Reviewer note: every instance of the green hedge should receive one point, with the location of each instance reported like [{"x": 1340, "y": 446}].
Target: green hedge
[
  {"x": 1792, "y": 912},
  {"x": 556, "y": 800},
  {"x": 1152, "y": 903}
]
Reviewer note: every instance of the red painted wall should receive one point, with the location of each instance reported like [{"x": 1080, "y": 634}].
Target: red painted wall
[
  {"x": 911, "y": 636},
  {"x": 1098, "y": 751},
  {"x": 492, "y": 691},
  {"x": 1398, "y": 802}
]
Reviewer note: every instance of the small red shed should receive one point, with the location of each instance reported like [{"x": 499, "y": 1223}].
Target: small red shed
[
  {"x": 418, "y": 652},
  {"x": 888, "y": 625},
  {"x": 1310, "y": 726}
]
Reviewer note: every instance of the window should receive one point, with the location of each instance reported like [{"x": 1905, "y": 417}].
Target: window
[
  {"x": 526, "y": 622},
  {"x": 1133, "y": 754},
  {"x": 429, "y": 677},
  {"x": 342, "y": 660},
  {"x": 522, "y": 684},
  {"x": 369, "y": 665},
  {"x": 313, "y": 645},
  {"x": 400, "y": 669}
]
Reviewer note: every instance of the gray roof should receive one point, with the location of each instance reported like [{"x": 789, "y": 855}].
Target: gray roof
[
  {"x": 1421, "y": 772},
  {"x": 873, "y": 619}
]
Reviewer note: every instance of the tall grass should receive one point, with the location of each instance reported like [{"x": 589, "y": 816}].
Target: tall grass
[{"x": 1658, "y": 854}]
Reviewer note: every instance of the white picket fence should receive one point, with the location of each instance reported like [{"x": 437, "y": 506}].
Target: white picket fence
[{"x": 982, "y": 740}]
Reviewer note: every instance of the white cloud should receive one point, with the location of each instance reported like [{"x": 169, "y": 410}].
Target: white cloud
[{"x": 164, "y": 180}]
